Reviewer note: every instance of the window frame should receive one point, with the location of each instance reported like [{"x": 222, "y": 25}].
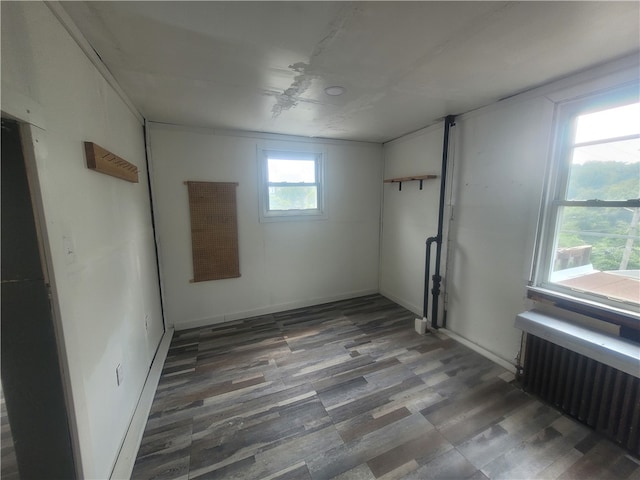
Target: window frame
[
  {"x": 554, "y": 199},
  {"x": 268, "y": 215}
]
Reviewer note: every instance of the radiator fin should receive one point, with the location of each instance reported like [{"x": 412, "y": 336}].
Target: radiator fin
[{"x": 598, "y": 395}]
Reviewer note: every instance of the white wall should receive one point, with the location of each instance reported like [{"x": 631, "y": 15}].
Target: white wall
[
  {"x": 499, "y": 157},
  {"x": 109, "y": 285},
  {"x": 410, "y": 216},
  {"x": 497, "y": 165},
  {"x": 282, "y": 264}
]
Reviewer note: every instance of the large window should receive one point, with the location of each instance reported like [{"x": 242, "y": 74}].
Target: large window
[
  {"x": 590, "y": 242},
  {"x": 291, "y": 185}
]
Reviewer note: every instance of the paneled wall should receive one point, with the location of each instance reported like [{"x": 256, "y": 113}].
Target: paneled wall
[{"x": 282, "y": 264}]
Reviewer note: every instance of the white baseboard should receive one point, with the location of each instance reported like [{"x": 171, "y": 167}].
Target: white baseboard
[
  {"x": 481, "y": 350},
  {"x": 403, "y": 303},
  {"x": 467, "y": 343},
  {"x": 131, "y": 444},
  {"x": 282, "y": 307}
]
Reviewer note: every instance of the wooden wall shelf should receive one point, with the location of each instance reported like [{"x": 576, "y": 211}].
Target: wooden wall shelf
[
  {"x": 413, "y": 178},
  {"x": 103, "y": 161}
]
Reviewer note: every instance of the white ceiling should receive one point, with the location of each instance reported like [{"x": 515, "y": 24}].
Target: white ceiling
[{"x": 263, "y": 66}]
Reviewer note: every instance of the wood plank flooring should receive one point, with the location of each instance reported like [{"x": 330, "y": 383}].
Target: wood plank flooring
[{"x": 348, "y": 390}]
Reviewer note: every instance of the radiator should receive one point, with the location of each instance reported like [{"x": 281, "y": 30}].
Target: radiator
[{"x": 598, "y": 395}]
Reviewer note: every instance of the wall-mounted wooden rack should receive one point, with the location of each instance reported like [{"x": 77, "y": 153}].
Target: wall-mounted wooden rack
[
  {"x": 419, "y": 178},
  {"x": 103, "y": 161}
]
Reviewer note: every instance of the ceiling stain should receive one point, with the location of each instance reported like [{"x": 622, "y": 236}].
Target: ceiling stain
[
  {"x": 290, "y": 97},
  {"x": 301, "y": 83}
]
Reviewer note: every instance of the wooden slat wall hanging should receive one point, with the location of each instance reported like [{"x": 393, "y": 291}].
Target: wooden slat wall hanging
[
  {"x": 214, "y": 230},
  {"x": 103, "y": 161}
]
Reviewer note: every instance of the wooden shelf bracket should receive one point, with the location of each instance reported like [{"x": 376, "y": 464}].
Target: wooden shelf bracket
[{"x": 419, "y": 178}]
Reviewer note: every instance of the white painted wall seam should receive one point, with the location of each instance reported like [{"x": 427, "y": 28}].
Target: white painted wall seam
[
  {"x": 616, "y": 72},
  {"x": 257, "y": 135},
  {"x": 149, "y": 155},
  {"x": 418, "y": 133}
]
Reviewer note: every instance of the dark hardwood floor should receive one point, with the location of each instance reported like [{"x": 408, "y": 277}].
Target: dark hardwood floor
[{"x": 348, "y": 390}]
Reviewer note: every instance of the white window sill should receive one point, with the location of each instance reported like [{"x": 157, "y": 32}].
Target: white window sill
[
  {"x": 271, "y": 217},
  {"x": 569, "y": 301},
  {"x": 613, "y": 351}
]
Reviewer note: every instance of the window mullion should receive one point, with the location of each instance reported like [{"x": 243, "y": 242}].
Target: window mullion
[
  {"x": 563, "y": 167},
  {"x": 292, "y": 184},
  {"x": 633, "y": 203},
  {"x": 606, "y": 140}
]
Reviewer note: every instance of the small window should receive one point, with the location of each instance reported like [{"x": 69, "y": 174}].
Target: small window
[
  {"x": 291, "y": 185},
  {"x": 590, "y": 239}
]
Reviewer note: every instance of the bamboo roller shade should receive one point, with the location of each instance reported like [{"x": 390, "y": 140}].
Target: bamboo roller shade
[{"x": 214, "y": 230}]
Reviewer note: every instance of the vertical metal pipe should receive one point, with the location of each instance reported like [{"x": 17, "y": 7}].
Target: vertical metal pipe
[
  {"x": 449, "y": 121},
  {"x": 427, "y": 271}
]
